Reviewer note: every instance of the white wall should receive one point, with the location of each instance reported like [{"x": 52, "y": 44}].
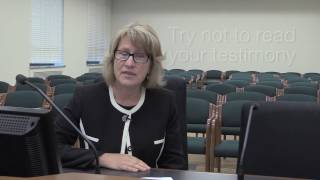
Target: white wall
[
  {"x": 263, "y": 35},
  {"x": 15, "y": 38},
  {"x": 75, "y": 36},
  {"x": 286, "y": 28},
  {"x": 15, "y": 33}
]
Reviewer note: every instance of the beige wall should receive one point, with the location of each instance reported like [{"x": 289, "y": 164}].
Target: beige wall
[
  {"x": 75, "y": 29},
  {"x": 15, "y": 42},
  {"x": 263, "y": 35},
  {"x": 277, "y": 35},
  {"x": 15, "y": 34}
]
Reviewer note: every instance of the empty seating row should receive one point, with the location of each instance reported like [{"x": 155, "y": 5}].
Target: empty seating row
[{"x": 224, "y": 110}]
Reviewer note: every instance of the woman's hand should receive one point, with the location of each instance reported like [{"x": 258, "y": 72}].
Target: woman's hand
[{"x": 122, "y": 162}]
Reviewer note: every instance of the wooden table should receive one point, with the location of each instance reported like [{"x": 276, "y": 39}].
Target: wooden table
[
  {"x": 71, "y": 174},
  {"x": 179, "y": 174}
]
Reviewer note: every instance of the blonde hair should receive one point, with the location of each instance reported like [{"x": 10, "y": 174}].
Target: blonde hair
[{"x": 146, "y": 38}]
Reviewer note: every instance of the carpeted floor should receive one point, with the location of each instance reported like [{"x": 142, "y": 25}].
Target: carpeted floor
[{"x": 197, "y": 163}]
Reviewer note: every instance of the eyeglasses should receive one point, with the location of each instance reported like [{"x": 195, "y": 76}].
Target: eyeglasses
[{"x": 138, "y": 57}]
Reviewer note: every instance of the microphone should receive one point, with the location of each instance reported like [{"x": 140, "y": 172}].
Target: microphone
[
  {"x": 245, "y": 141},
  {"x": 21, "y": 79},
  {"x": 24, "y": 80}
]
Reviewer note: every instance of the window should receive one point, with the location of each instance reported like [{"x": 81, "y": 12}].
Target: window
[
  {"x": 47, "y": 33},
  {"x": 97, "y": 31}
]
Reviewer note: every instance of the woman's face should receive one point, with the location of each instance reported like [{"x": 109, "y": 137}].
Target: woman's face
[{"x": 130, "y": 71}]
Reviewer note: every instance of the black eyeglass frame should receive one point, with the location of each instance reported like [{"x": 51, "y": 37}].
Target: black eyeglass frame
[{"x": 133, "y": 57}]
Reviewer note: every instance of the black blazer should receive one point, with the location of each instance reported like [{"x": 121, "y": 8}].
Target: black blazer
[{"x": 157, "y": 119}]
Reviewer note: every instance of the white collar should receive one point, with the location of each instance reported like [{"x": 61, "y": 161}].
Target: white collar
[
  {"x": 126, "y": 142},
  {"x": 123, "y": 110}
]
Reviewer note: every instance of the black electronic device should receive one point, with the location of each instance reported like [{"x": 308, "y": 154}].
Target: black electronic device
[{"x": 28, "y": 143}]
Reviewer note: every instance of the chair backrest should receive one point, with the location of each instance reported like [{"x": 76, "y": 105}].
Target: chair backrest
[
  {"x": 282, "y": 140},
  {"x": 61, "y": 100},
  {"x": 196, "y": 71},
  {"x": 290, "y": 75},
  {"x": 238, "y": 83},
  {"x": 310, "y": 75},
  {"x": 262, "y": 79},
  {"x": 197, "y": 111},
  {"x": 273, "y": 73},
  {"x": 228, "y": 73},
  {"x": 297, "y": 97},
  {"x": 175, "y": 71},
  {"x": 187, "y": 76},
  {"x": 55, "y": 82},
  {"x": 241, "y": 78},
  {"x": 88, "y": 82},
  {"x": 253, "y": 72},
  {"x": 4, "y": 87},
  {"x": 27, "y": 99},
  {"x": 99, "y": 79},
  {"x": 221, "y": 88},
  {"x": 36, "y": 80},
  {"x": 214, "y": 74},
  {"x": 92, "y": 74},
  {"x": 178, "y": 86},
  {"x": 25, "y": 87},
  {"x": 64, "y": 88},
  {"x": 209, "y": 96},
  {"x": 301, "y": 90},
  {"x": 296, "y": 79},
  {"x": 315, "y": 78},
  {"x": 58, "y": 76},
  {"x": 266, "y": 90},
  {"x": 86, "y": 77},
  {"x": 265, "y": 75},
  {"x": 247, "y": 76},
  {"x": 248, "y": 96},
  {"x": 276, "y": 84},
  {"x": 231, "y": 113},
  {"x": 304, "y": 84}
]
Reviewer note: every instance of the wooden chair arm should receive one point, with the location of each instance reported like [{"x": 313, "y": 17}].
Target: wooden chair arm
[
  {"x": 214, "y": 111},
  {"x": 2, "y": 98},
  {"x": 223, "y": 76},
  {"x": 213, "y": 115},
  {"x": 239, "y": 89},
  {"x": 280, "y": 92},
  {"x": 204, "y": 76},
  {"x": 213, "y": 138},
  {"x": 222, "y": 99},
  {"x": 318, "y": 96},
  {"x": 207, "y": 144},
  {"x": 11, "y": 88},
  {"x": 50, "y": 91},
  {"x": 47, "y": 82},
  {"x": 215, "y": 130}
]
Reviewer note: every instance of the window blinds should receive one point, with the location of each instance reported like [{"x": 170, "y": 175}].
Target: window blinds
[
  {"x": 47, "y": 33},
  {"x": 97, "y": 31}
]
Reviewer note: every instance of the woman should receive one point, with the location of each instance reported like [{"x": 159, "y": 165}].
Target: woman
[{"x": 131, "y": 120}]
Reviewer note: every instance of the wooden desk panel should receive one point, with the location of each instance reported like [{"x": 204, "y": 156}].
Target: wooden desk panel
[
  {"x": 10, "y": 178},
  {"x": 180, "y": 175},
  {"x": 121, "y": 175},
  {"x": 72, "y": 176},
  {"x": 175, "y": 174}
]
